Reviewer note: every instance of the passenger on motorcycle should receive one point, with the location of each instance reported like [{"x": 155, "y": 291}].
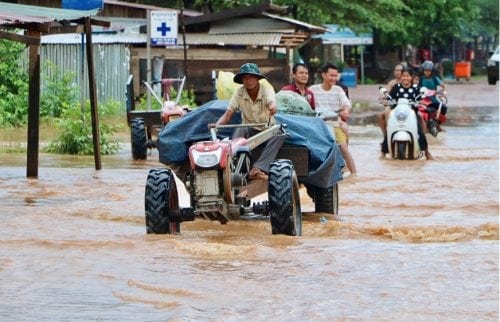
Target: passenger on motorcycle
[
  {"x": 406, "y": 89},
  {"x": 432, "y": 82},
  {"x": 382, "y": 116}
]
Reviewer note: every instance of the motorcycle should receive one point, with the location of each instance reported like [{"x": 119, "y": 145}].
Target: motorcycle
[
  {"x": 430, "y": 107},
  {"x": 402, "y": 128}
]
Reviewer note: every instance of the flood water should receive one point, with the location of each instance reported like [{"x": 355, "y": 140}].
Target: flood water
[{"x": 415, "y": 240}]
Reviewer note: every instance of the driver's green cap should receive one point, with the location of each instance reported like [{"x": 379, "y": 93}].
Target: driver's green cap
[{"x": 248, "y": 69}]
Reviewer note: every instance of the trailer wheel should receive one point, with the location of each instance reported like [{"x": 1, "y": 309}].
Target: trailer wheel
[
  {"x": 325, "y": 199},
  {"x": 138, "y": 139},
  {"x": 160, "y": 200},
  {"x": 284, "y": 199},
  {"x": 492, "y": 80}
]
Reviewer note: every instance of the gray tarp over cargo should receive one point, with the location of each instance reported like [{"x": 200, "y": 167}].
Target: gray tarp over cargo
[{"x": 325, "y": 159}]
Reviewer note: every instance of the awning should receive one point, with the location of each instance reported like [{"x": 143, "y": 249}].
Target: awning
[
  {"x": 337, "y": 34},
  {"x": 17, "y": 14},
  {"x": 239, "y": 39}
]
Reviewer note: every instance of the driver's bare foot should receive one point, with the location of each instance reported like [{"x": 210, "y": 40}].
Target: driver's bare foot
[
  {"x": 257, "y": 173},
  {"x": 428, "y": 155}
]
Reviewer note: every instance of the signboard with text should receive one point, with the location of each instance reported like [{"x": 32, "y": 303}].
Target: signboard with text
[{"x": 163, "y": 28}]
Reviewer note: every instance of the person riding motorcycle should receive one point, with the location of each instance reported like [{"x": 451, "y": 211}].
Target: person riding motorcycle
[
  {"x": 406, "y": 89},
  {"x": 433, "y": 82}
]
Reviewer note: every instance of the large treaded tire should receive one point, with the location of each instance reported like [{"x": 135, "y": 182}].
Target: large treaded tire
[
  {"x": 284, "y": 199},
  {"x": 138, "y": 139},
  {"x": 160, "y": 198},
  {"x": 492, "y": 80},
  {"x": 325, "y": 199}
]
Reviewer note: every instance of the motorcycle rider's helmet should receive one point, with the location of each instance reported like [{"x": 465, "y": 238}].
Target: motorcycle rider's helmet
[{"x": 427, "y": 65}]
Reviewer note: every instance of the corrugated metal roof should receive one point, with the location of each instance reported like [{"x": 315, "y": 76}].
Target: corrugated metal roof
[
  {"x": 244, "y": 39},
  {"x": 121, "y": 24},
  {"x": 247, "y": 39},
  {"x": 301, "y": 24},
  {"x": 97, "y": 38},
  {"x": 246, "y": 25},
  {"x": 12, "y": 14}
]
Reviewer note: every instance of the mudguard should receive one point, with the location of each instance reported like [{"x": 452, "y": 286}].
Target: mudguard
[{"x": 401, "y": 136}]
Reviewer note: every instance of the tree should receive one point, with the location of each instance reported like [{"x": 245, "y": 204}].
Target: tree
[
  {"x": 13, "y": 85},
  {"x": 395, "y": 23}
]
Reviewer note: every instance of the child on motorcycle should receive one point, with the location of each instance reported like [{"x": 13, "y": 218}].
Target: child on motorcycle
[{"x": 406, "y": 89}]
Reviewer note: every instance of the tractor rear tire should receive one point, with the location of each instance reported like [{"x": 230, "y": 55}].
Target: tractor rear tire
[
  {"x": 138, "y": 139},
  {"x": 161, "y": 198},
  {"x": 284, "y": 199}
]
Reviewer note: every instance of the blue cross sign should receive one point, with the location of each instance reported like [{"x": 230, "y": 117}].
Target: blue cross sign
[{"x": 163, "y": 28}]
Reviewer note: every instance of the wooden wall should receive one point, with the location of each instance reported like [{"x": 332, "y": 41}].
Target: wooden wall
[
  {"x": 200, "y": 73},
  {"x": 200, "y": 64}
]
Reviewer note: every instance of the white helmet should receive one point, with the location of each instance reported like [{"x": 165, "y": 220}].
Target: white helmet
[{"x": 427, "y": 65}]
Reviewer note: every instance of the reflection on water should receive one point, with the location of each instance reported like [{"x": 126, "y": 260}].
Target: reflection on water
[{"x": 416, "y": 240}]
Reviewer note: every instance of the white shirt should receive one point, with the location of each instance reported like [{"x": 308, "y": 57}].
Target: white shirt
[{"x": 328, "y": 102}]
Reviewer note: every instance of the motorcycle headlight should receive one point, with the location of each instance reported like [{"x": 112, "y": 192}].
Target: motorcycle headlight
[
  {"x": 402, "y": 116},
  {"x": 207, "y": 159}
]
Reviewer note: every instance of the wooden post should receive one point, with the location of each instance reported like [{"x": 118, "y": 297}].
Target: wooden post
[
  {"x": 93, "y": 97},
  {"x": 288, "y": 63},
  {"x": 33, "y": 108}
]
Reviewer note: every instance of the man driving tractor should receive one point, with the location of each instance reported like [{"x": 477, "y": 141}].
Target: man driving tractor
[{"x": 257, "y": 104}]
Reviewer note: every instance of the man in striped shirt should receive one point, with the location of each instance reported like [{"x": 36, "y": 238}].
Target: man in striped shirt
[
  {"x": 329, "y": 98},
  {"x": 331, "y": 101}
]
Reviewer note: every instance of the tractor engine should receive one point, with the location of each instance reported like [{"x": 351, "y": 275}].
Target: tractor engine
[{"x": 209, "y": 182}]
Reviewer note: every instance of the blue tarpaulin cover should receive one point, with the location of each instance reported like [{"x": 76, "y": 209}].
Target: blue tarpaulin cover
[{"x": 325, "y": 159}]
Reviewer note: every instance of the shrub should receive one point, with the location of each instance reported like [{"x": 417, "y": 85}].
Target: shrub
[
  {"x": 59, "y": 92},
  {"x": 187, "y": 99},
  {"x": 76, "y": 131}
]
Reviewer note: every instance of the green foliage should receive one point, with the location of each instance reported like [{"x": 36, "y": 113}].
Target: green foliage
[
  {"x": 76, "y": 131},
  {"x": 59, "y": 93},
  {"x": 59, "y": 104},
  {"x": 395, "y": 22},
  {"x": 370, "y": 81},
  {"x": 187, "y": 99},
  {"x": 13, "y": 85}
]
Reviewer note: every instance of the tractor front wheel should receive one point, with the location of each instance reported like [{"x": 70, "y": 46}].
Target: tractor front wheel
[{"x": 161, "y": 199}]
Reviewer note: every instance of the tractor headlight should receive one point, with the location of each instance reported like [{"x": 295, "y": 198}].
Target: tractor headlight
[
  {"x": 402, "y": 116},
  {"x": 207, "y": 159}
]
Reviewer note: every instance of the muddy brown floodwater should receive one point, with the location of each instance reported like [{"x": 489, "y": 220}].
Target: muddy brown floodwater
[{"x": 415, "y": 240}]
